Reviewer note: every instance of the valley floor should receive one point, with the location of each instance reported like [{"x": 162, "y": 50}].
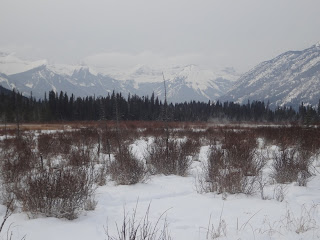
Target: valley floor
[{"x": 190, "y": 215}]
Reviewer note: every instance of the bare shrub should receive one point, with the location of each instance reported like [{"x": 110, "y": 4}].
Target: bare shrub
[
  {"x": 126, "y": 169},
  {"x": 225, "y": 178},
  {"x": 280, "y": 192},
  {"x": 8, "y": 213},
  {"x": 17, "y": 157},
  {"x": 215, "y": 171},
  {"x": 304, "y": 162},
  {"x": 306, "y": 221},
  {"x": 90, "y": 204},
  {"x": 211, "y": 136},
  {"x": 101, "y": 175},
  {"x": 241, "y": 152},
  {"x": 262, "y": 183},
  {"x": 57, "y": 193},
  {"x": 87, "y": 135},
  {"x": 113, "y": 137},
  {"x": 191, "y": 147},
  {"x": 64, "y": 142},
  {"x": 47, "y": 145},
  {"x": 143, "y": 229},
  {"x": 288, "y": 136},
  {"x": 172, "y": 157},
  {"x": 233, "y": 168},
  {"x": 284, "y": 136},
  {"x": 219, "y": 231},
  {"x": 57, "y": 143},
  {"x": 70, "y": 146},
  {"x": 108, "y": 140},
  {"x": 80, "y": 158},
  {"x": 292, "y": 164},
  {"x": 39, "y": 188},
  {"x": 85, "y": 140}
]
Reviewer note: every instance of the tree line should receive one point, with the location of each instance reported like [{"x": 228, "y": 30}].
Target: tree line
[{"x": 15, "y": 107}]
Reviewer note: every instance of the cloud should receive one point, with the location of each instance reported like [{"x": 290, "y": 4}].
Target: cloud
[
  {"x": 168, "y": 32},
  {"x": 152, "y": 59}
]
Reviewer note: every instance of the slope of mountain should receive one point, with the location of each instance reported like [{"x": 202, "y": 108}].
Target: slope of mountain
[
  {"x": 289, "y": 79},
  {"x": 40, "y": 80},
  {"x": 4, "y": 81},
  {"x": 191, "y": 83},
  {"x": 4, "y": 91}
]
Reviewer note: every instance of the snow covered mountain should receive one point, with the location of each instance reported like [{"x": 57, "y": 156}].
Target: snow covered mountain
[
  {"x": 81, "y": 83},
  {"x": 289, "y": 79},
  {"x": 183, "y": 83},
  {"x": 192, "y": 83}
]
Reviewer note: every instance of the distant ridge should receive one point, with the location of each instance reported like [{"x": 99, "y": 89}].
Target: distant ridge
[{"x": 184, "y": 83}]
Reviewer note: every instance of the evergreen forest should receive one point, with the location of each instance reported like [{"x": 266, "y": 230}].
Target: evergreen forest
[{"x": 14, "y": 107}]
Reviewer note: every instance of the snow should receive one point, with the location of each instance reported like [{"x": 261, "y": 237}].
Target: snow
[
  {"x": 200, "y": 79},
  {"x": 4, "y": 80},
  {"x": 29, "y": 85},
  {"x": 54, "y": 88},
  {"x": 186, "y": 211},
  {"x": 305, "y": 62},
  {"x": 10, "y": 64},
  {"x": 63, "y": 69}
]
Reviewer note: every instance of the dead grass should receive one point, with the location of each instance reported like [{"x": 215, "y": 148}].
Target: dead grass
[{"x": 132, "y": 125}]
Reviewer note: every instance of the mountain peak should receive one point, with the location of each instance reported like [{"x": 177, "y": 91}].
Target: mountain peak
[
  {"x": 84, "y": 69},
  {"x": 143, "y": 69},
  {"x": 83, "y": 72},
  {"x": 192, "y": 67},
  {"x": 188, "y": 69}
]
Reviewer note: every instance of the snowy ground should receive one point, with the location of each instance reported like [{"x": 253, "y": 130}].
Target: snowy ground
[{"x": 186, "y": 211}]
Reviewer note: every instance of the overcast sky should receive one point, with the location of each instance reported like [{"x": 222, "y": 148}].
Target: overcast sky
[{"x": 210, "y": 33}]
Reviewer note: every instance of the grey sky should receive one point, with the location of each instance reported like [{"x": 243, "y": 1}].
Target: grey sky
[{"x": 211, "y": 33}]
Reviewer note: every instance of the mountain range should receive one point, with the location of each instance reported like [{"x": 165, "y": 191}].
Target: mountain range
[
  {"x": 184, "y": 83},
  {"x": 288, "y": 79}
]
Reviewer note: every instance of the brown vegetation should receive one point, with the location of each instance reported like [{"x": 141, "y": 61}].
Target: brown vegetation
[{"x": 55, "y": 172}]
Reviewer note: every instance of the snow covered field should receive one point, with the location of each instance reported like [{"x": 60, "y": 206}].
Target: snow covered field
[{"x": 190, "y": 215}]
